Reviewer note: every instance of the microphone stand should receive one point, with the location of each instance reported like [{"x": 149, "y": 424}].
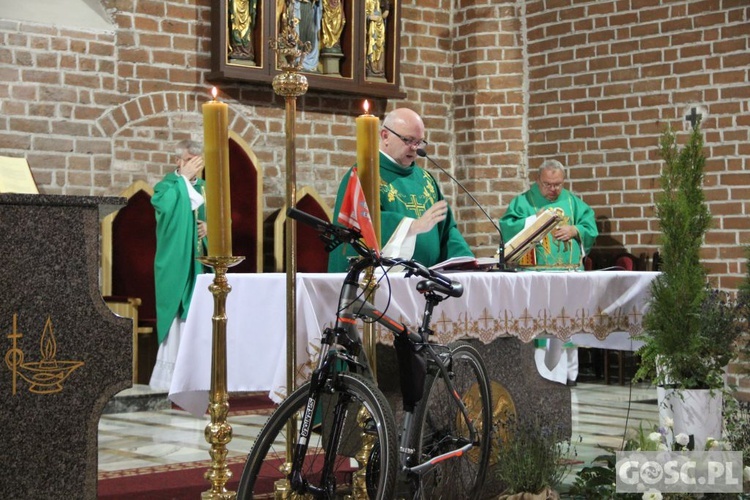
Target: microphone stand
[{"x": 501, "y": 264}]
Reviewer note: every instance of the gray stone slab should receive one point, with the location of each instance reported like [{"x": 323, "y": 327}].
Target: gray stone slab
[{"x": 65, "y": 354}]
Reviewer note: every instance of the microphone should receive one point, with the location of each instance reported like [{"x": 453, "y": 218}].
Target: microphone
[{"x": 501, "y": 264}]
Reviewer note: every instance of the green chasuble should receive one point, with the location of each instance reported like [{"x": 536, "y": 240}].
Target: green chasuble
[
  {"x": 406, "y": 192},
  {"x": 177, "y": 248},
  {"x": 551, "y": 253}
]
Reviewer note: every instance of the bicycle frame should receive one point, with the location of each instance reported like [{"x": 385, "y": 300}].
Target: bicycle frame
[{"x": 352, "y": 306}]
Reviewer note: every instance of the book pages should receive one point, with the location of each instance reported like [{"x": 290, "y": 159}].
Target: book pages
[{"x": 530, "y": 236}]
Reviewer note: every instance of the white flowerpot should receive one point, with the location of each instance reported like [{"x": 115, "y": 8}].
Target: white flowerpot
[{"x": 695, "y": 412}]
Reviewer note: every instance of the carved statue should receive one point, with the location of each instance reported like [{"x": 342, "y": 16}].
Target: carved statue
[
  {"x": 309, "y": 14},
  {"x": 377, "y": 14},
  {"x": 242, "y": 25},
  {"x": 333, "y": 25}
]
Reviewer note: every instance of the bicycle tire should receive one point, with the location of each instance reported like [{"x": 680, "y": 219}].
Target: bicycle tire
[
  {"x": 440, "y": 422},
  {"x": 268, "y": 454}
]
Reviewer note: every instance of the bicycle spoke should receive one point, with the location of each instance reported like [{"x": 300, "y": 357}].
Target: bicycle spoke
[
  {"x": 366, "y": 425},
  {"x": 443, "y": 429}
]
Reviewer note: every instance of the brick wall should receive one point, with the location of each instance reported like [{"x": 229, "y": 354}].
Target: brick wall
[
  {"x": 606, "y": 78},
  {"x": 501, "y": 84},
  {"x": 488, "y": 112}
]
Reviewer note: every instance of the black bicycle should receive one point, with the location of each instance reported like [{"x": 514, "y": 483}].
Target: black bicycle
[{"x": 335, "y": 437}]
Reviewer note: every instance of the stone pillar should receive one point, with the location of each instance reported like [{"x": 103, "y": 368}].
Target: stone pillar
[{"x": 64, "y": 353}]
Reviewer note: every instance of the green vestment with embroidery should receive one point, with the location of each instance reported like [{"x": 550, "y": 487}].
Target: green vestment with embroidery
[
  {"x": 406, "y": 192},
  {"x": 553, "y": 254}
]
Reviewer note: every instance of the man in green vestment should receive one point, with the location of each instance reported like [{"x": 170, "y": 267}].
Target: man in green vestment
[
  {"x": 563, "y": 248},
  {"x": 180, "y": 239},
  {"x": 415, "y": 220}
]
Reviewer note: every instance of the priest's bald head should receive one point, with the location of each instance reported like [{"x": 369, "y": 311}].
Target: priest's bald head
[
  {"x": 551, "y": 179},
  {"x": 402, "y": 135}
]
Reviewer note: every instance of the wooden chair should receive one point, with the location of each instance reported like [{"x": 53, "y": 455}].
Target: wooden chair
[
  {"x": 656, "y": 262},
  {"x": 311, "y": 254},
  {"x": 627, "y": 262},
  {"x": 588, "y": 263},
  {"x": 247, "y": 205},
  {"x": 128, "y": 249}
]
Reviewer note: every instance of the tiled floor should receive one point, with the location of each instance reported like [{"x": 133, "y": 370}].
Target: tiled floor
[
  {"x": 162, "y": 437},
  {"x": 601, "y": 413}
]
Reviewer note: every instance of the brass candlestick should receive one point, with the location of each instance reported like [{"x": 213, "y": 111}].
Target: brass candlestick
[{"x": 218, "y": 432}]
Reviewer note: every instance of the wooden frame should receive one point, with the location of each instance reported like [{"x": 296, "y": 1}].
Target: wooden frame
[
  {"x": 258, "y": 202},
  {"x": 106, "y": 225},
  {"x": 352, "y": 76},
  {"x": 280, "y": 221},
  {"x": 126, "y": 307}
]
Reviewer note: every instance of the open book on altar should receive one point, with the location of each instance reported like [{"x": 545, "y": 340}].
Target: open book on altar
[
  {"x": 515, "y": 249},
  {"x": 465, "y": 263},
  {"x": 531, "y": 235}
]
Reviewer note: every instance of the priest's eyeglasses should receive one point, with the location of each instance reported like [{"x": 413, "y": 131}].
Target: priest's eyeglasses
[
  {"x": 551, "y": 185},
  {"x": 412, "y": 143}
]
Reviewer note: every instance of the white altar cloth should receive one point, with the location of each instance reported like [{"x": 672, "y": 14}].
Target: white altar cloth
[{"x": 593, "y": 308}]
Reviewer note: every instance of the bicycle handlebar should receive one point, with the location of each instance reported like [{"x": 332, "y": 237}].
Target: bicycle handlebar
[{"x": 341, "y": 234}]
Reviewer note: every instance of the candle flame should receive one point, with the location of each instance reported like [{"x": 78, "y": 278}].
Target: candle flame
[
  {"x": 366, "y": 106},
  {"x": 214, "y": 92},
  {"x": 48, "y": 344}
]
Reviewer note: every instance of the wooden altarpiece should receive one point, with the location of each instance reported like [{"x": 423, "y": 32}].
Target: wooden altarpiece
[{"x": 348, "y": 60}]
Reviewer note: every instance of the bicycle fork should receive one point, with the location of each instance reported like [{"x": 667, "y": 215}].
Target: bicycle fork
[{"x": 323, "y": 375}]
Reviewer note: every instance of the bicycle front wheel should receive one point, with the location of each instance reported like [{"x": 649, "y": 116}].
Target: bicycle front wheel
[
  {"x": 363, "y": 464},
  {"x": 442, "y": 427}
]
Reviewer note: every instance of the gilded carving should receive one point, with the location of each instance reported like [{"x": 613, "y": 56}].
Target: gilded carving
[{"x": 242, "y": 15}]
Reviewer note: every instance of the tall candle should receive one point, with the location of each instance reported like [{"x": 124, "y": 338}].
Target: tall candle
[
  {"x": 368, "y": 163},
  {"x": 216, "y": 158}
]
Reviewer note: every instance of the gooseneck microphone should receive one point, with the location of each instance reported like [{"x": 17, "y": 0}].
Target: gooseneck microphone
[{"x": 501, "y": 264}]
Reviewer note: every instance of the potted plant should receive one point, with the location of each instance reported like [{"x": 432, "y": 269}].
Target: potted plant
[
  {"x": 689, "y": 329},
  {"x": 532, "y": 460}
]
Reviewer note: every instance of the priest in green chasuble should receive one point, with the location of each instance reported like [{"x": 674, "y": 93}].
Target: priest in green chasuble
[
  {"x": 563, "y": 248},
  {"x": 415, "y": 220},
  {"x": 180, "y": 239},
  {"x": 566, "y": 245}
]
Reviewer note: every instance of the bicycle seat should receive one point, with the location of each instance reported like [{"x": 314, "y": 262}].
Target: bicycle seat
[{"x": 455, "y": 290}]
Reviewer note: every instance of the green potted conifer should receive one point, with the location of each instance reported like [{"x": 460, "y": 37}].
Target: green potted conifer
[{"x": 689, "y": 329}]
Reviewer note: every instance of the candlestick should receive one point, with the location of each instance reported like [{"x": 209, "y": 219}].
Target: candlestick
[
  {"x": 216, "y": 157},
  {"x": 368, "y": 163}
]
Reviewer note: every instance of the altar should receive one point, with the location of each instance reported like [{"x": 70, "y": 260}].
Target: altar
[{"x": 592, "y": 308}]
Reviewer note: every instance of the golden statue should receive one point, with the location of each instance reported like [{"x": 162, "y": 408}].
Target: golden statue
[
  {"x": 333, "y": 25},
  {"x": 376, "y": 16},
  {"x": 242, "y": 24}
]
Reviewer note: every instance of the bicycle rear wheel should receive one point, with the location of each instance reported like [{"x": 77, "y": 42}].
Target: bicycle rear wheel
[
  {"x": 365, "y": 459},
  {"x": 442, "y": 427}
]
